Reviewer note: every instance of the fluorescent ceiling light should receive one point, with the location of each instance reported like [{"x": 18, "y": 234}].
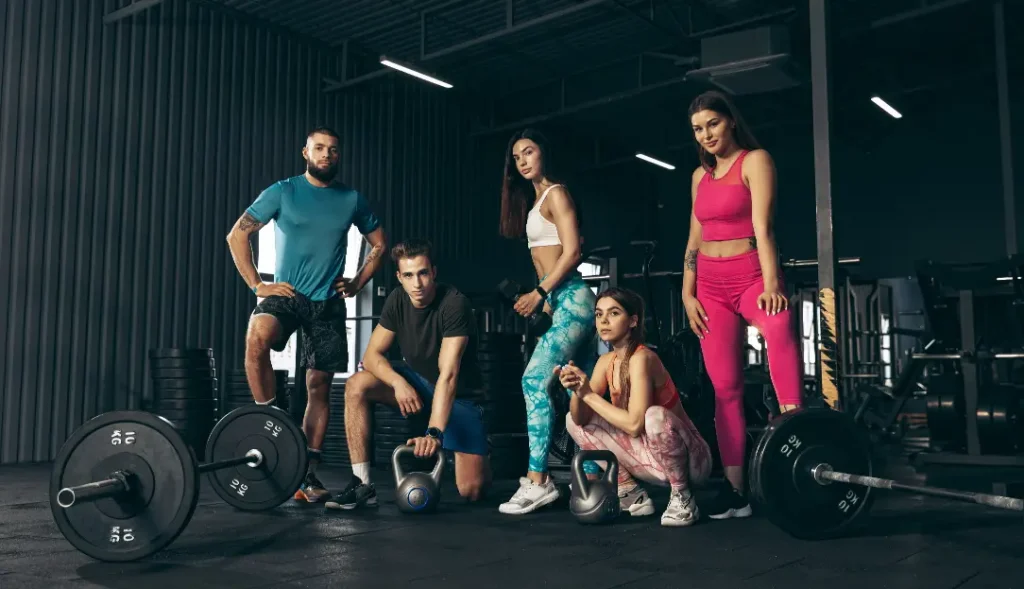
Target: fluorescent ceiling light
[
  {"x": 414, "y": 73},
  {"x": 885, "y": 106},
  {"x": 656, "y": 162}
]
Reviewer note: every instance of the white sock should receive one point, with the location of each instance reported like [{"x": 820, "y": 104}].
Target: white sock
[
  {"x": 268, "y": 402},
  {"x": 362, "y": 470}
]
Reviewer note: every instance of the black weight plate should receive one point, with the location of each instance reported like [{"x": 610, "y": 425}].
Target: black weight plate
[
  {"x": 185, "y": 383},
  {"x": 162, "y": 373},
  {"x": 134, "y": 527},
  {"x": 182, "y": 426},
  {"x": 185, "y": 405},
  {"x": 272, "y": 432},
  {"x": 180, "y": 353},
  {"x": 781, "y": 480},
  {"x": 183, "y": 396},
  {"x": 201, "y": 415},
  {"x": 182, "y": 363}
]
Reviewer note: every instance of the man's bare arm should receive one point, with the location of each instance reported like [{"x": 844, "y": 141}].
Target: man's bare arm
[
  {"x": 241, "y": 249},
  {"x": 374, "y": 258}
]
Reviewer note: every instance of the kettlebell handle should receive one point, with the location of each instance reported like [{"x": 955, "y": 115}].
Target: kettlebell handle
[
  {"x": 611, "y": 474},
  {"x": 403, "y": 449}
]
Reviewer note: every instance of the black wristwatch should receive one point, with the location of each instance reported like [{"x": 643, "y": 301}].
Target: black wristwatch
[{"x": 435, "y": 433}]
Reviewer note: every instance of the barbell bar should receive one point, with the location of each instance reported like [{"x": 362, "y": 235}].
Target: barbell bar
[{"x": 143, "y": 479}]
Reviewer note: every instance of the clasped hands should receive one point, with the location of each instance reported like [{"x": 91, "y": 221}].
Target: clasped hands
[{"x": 573, "y": 379}]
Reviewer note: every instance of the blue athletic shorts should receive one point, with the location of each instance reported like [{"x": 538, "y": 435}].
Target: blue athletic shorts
[{"x": 465, "y": 431}]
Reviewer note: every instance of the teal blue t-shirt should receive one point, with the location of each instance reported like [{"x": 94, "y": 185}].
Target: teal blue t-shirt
[{"x": 311, "y": 231}]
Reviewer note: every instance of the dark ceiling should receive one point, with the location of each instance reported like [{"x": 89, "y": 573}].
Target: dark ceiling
[{"x": 617, "y": 69}]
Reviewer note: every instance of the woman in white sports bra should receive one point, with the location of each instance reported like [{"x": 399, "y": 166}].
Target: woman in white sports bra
[{"x": 532, "y": 202}]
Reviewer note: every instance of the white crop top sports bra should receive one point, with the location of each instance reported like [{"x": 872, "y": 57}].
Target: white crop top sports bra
[{"x": 540, "y": 231}]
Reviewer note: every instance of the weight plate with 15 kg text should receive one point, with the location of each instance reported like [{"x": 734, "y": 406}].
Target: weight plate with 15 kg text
[
  {"x": 165, "y": 488},
  {"x": 282, "y": 445}
]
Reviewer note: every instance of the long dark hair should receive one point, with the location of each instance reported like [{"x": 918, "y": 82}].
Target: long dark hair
[
  {"x": 632, "y": 304},
  {"x": 718, "y": 102},
  {"x": 517, "y": 193}
]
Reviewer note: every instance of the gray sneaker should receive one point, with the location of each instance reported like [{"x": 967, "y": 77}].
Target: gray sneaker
[
  {"x": 636, "y": 502},
  {"x": 529, "y": 497},
  {"x": 681, "y": 511}
]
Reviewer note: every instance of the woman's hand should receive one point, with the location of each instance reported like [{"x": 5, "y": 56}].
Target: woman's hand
[
  {"x": 772, "y": 301},
  {"x": 695, "y": 313},
  {"x": 573, "y": 379},
  {"x": 526, "y": 303}
]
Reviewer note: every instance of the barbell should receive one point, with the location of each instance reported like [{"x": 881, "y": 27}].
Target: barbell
[
  {"x": 126, "y": 484},
  {"x": 812, "y": 471}
]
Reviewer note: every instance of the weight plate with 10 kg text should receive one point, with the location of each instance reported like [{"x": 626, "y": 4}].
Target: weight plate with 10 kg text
[
  {"x": 279, "y": 441},
  {"x": 781, "y": 478}
]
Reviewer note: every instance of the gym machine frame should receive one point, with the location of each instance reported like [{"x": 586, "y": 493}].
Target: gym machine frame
[{"x": 932, "y": 278}]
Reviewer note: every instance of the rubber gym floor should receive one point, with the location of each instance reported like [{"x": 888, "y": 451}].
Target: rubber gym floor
[{"x": 908, "y": 542}]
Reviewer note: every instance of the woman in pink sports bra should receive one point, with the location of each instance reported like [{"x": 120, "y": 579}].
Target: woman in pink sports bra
[
  {"x": 642, "y": 421},
  {"x": 732, "y": 277}
]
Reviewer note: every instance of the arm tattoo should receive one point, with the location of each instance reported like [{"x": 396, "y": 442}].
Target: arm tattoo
[
  {"x": 753, "y": 242},
  {"x": 248, "y": 224},
  {"x": 373, "y": 254},
  {"x": 691, "y": 260}
]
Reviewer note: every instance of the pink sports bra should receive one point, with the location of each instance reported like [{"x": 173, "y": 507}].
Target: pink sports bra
[{"x": 723, "y": 205}]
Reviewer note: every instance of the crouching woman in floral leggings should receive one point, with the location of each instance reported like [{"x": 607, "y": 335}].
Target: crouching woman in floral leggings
[{"x": 643, "y": 422}]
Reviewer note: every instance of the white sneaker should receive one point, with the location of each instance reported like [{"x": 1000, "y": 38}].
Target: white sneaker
[
  {"x": 529, "y": 497},
  {"x": 681, "y": 511},
  {"x": 636, "y": 502}
]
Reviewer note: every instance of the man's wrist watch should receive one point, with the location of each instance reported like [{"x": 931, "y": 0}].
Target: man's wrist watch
[{"x": 435, "y": 433}]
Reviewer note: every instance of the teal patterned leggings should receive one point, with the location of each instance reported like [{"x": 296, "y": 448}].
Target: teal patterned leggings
[{"x": 571, "y": 337}]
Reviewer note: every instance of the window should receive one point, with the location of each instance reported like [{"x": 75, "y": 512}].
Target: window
[
  {"x": 810, "y": 315},
  {"x": 266, "y": 265},
  {"x": 588, "y": 269}
]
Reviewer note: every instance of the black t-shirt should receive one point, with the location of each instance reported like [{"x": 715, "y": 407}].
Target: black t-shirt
[{"x": 419, "y": 331}]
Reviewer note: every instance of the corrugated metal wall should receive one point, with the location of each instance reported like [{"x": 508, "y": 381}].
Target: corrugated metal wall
[{"x": 126, "y": 153}]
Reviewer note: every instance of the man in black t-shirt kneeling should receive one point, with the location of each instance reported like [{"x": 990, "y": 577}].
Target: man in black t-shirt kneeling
[{"x": 435, "y": 329}]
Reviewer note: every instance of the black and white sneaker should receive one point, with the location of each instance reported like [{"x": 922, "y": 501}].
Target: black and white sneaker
[
  {"x": 728, "y": 503},
  {"x": 356, "y": 494}
]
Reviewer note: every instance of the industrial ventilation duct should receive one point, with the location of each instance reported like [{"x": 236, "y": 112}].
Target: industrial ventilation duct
[{"x": 749, "y": 61}]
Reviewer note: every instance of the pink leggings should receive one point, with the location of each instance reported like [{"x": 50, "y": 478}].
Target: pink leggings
[
  {"x": 670, "y": 451},
  {"x": 728, "y": 288}
]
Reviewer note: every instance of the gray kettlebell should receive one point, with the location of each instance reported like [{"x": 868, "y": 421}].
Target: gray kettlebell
[
  {"x": 595, "y": 502},
  {"x": 417, "y": 492}
]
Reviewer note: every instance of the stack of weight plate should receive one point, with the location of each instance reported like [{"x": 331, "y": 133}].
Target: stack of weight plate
[
  {"x": 335, "y": 449},
  {"x": 238, "y": 394},
  {"x": 391, "y": 430},
  {"x": 185, "y": 391},
  {"x": 501, "y": 358}
]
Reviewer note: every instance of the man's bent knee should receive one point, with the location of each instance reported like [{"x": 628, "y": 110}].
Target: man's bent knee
[
  {"x": 473, "y": 491},
  {"x": 363, "y": 387},
  {"x": 318, "y": 383},
  {"x": 260, "y": 336}
]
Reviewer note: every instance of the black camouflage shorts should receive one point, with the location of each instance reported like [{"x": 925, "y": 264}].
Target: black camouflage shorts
[{"x": 324, "y": 336}]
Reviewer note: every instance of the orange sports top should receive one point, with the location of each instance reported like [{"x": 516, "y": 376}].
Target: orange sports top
[{"x": 667, "y": 395}]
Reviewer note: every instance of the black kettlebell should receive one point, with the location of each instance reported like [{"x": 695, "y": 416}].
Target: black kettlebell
[
  {"x": 539, "y": 321},
  {"x": 417, "y": 492},
  {"x": 595, "y": 502}
]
